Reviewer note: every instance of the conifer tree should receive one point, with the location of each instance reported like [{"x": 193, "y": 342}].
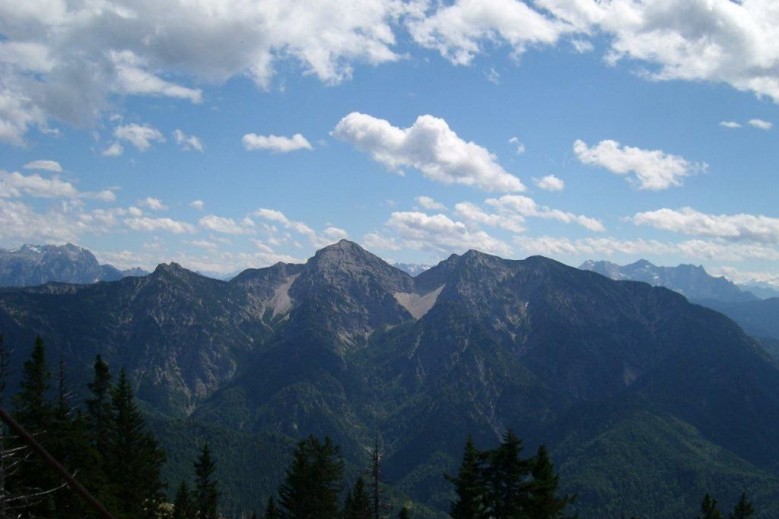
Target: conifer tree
[
  {"x": 271, "y": 511},
  {"x": 206, "y": 487},
  {"x": 135, "y": 459},
  {"x": 313, "y": 481},
  {"x": 709, "y": 508},
  {"x": 183, "y": 507},
  {"x": 505, "y": 479},
  {"x": 358, "y": 502},
  {"x": 743, "y": 509},
  {"x": 404, "y": 513},
  {"x": 542, "y": 501},
  {"x": 99, "y": 408},
  {"x": 469, "y": 485}
]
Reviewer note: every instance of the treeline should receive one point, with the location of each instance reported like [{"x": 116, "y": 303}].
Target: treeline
[{"x": 105, "y": 444}]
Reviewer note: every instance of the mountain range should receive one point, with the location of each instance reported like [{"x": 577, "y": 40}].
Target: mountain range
[
  {"x": 31, "y": 265},
  {"x": 646, "y": 400}
]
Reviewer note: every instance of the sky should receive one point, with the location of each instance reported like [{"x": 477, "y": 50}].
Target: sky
[{"x": 224, "y": 135}]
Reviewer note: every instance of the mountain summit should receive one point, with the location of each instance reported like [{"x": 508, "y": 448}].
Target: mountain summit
[{"x": 631, "y": 386}]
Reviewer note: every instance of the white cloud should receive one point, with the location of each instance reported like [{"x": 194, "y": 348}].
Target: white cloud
[
  {"x": 133, "y": 77},
  {"x": 730, "y": 124},
  {"x": 430, "y": 146},
  {"x": 439, "y": 233},
  {"x": 458, "y": 30},
  {"x": 524, "y": 206},
  {"x": 155, "y": 204},
  {"x": 139, "y": 136},
  {"x": 519, "y": 147},
  {"x": 760, "y": 124},
  {"x": 475, "y": 214},
  {"x": 550, "y": 183},
  {"x": 46, "y": 165},
  {"x": 197, "y": 204},
  {"x": 187, "y": 142},
  {"x": 105, "y": 195},
  {"x": 275, "y": 143},
  {"x": 719, "y": 41},
  {"x": 114, "y": 150},
  {"x": 21, "y": 223},
  {"x": 159, "y": 224},
  {"x": 654, "y": 169},
  {"x": 738, "y": 227},
  {"x": 427, "y": 202},
  {"x": 226, "y": 225},
  {"x": 335, "y": 234},
  {"x": 15, "y": 185},
  {"x": 272, "y": 215}
]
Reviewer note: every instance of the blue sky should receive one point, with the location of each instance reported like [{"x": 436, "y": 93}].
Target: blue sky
[{"x": 226, "y": 135}]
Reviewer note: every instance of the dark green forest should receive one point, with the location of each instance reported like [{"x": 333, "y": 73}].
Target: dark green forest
[{"x": 106, "y": 443}]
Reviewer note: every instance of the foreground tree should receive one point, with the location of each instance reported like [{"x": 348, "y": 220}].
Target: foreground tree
[
  {"x": 206, "y": 486},
  {"x": 358, "y": 502},
  {"x": 313, "y": 481},
  {"x": 183, "y": 507},
  {"x": 135, "y": 458},
  {"x": 500, "y": 484},
  {"x": 743, "y": 509},
  {"x": 709, "y": 508}
]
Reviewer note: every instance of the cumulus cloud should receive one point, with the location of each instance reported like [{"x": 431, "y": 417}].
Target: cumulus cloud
[
  {"x": 760, "y": 124},
  {"x": 730, "y": 124},
  {"x": 226, "y": 225},
  {"x": 140, "y": 136},
  {"x": 155, "y": 204},
  {"x": 518, "y": 146},
  {"x": 527, "y": 207},
  {"x": 275, "y": 143},
  {"x": 550, "y": 183},
  {"x": 197, "y": 204},
  {"x": 67, "y": 60},
  {"x": 273, "y": 215},
  {"x": 459, "y": 31},
  {"x": 653, "y": 169},
  {"x": 427, "y": 202},
  {"x": 144, "y": 223},
  {"x": 187, "y": 142},
  {"x": 439, "y": 233},
  {"x": 723, "y": 42},
  {"x": 475, "y": 214},
  {"x": 430, "y": 146},
  {"x": 46, "y": 165},
  {"x": 737, "y": 227},
  {"x": 114, "y": 150},
  {"x": 15, "y": 184}
]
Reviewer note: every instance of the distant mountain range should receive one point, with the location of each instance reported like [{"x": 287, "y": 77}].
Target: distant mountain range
[
  {"x": 646, "y": 400},
  {"x": 759, "y": 317},
  {"x": 32, "y": 265}
]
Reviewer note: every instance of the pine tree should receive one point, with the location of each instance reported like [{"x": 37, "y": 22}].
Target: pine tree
[
  {"x": 542, "y": 501},
  {"x": 404, "y": 513},
  {"x": 505, "y": 479},
  {"x": 709, "y": 508},
  {"x": 469, "y": 485},
  {"x": 744, "y": 508},
  {"x": 206, "y": 487},
  {"x": 183, "y": 507},
  {"x": 358, "y": 502},
  {"x": 99, "y": 409},
  {"x": 135, "y": 460},
  {"x": 313, "y": 481},
  {"x": 36, "y": 413}
]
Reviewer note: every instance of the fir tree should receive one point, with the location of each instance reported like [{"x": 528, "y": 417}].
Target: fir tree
[
  {"x": 313, "y": 481},
  {"x": 542, "y": 501},
  {"x": 709, "y": 508},
  {"x": 744, "y": 508},
  {"x": 135, "y": 459},
  {"x": 469, "y": 485},
  {"x": 505, "y": 479},
  {"x": 206, "y": 487},
  {"x": 183, "y": 507},
  {"x": 358, "y": 502}
]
